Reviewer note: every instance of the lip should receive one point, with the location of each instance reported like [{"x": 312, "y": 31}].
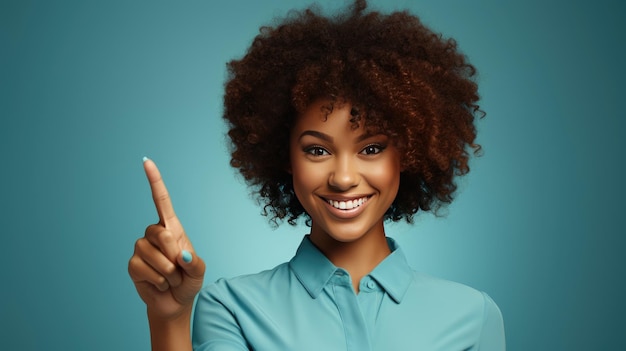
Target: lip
[
  {"x": 336, "y": 197},
  {"x": 345, "y": 214}
]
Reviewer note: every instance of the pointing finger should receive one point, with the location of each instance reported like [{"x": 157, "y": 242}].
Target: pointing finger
[{"x": 160, "y": 195}]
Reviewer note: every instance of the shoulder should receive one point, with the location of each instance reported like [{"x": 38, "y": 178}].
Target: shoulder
[
  {"x": 425, "y": 284},
  {"x": 449, "y": 293},
  {"x": 249, "y": 285},
  {"x": 453, "y": 297},
  {"x": 251, "y": 303},
  {"x": 452, "y": 301},
  {"x": 223, "y": 308}
]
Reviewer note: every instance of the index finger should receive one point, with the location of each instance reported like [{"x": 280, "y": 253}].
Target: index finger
[{"x": 161, "y": 197}]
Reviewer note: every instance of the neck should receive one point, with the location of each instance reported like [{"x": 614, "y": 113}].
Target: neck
[{"x": 359, "y": 257}]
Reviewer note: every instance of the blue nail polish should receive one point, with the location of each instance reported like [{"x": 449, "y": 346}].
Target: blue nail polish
[
  {"x": 145, "y": 159},
  {"x": 187, "y": 256}
]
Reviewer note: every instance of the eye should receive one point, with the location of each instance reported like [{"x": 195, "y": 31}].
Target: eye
[
  {"x": 372, "y": 149},
  {"x": 316, "y": 151}
]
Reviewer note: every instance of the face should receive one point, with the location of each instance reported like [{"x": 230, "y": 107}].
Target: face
[{"x": 344, "y": 178}]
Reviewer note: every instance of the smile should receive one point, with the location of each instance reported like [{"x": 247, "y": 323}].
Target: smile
[{"x": 347, "y": 204}]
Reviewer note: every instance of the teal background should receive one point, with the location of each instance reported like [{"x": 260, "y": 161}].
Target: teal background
[{"x": 89, "y": 87}]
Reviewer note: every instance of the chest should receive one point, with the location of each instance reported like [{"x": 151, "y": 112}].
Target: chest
[{"x": 338, "y": 319}]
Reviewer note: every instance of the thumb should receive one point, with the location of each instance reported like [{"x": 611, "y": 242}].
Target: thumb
[{"x": 192, "y": 265}]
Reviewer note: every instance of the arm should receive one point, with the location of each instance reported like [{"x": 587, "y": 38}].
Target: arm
[
  {"x": 492, "y": 333},
  {"x": 170, "y": 334},
  {"x": 215, "y": 326},
  {"x": 166, "y": 272}
]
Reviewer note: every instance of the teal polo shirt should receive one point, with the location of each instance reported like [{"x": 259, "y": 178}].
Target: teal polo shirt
[{"x": 309, "y": 304}]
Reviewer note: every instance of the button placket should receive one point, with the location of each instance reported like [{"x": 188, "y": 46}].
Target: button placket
[{"x": 355, "y": 326}]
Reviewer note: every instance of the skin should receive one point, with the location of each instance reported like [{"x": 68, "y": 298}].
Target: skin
[
  {"x": 164, "y": 281},
  {"x": 329, "y": 160}
]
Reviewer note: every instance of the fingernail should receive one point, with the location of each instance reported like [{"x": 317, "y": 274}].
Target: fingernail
[
  {"x": 187, "y": 256},
  {"x": 145, "y": 159}
]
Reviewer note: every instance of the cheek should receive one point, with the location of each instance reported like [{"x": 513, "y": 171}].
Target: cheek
[
  {"x": 387, "y": 176},
  {"x": 306, "y": 178}
]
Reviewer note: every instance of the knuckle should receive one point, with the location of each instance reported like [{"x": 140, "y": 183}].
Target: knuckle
[
  {"x": 164, "y": 236},
  {"x": 152, "y": 229},
  {"x": 162, "y": 197},
  {"x": 132, "y": 265},
  {"x": 136, "y": 268},
  {"x": 139, "y": 244},
  {"x": 159, "y": 235},
  {"x": 162, "y": 284},
  {"x": 142, "y": 247},
  {"x": 169, "y": 269},
  {"x": 160, "y": 280}
]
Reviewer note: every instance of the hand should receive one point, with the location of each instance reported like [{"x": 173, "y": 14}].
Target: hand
[{"x": 165, "y": 269}]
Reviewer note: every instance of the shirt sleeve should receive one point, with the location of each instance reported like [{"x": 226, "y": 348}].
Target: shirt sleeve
[
  {"x": 214, "y": 325},
  {"x": 492, "y": 332}
]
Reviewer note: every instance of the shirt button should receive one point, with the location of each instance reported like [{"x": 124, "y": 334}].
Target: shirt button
[{"x": 371, "y": 284}]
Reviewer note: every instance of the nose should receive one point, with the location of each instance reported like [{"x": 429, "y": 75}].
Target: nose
[{"x": 345, "y": 174}]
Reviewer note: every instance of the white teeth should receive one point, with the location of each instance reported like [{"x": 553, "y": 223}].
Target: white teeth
[{"x": 347, "y": 205}]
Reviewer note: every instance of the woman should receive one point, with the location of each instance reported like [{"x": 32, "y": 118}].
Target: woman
[{"x": 346, "y": 122}]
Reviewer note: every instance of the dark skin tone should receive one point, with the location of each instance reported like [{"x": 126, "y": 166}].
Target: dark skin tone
[
  {"x": 360, "y": 173},
  {"x": 164, "y": 281},
  {"x": 346, "y": 180}
]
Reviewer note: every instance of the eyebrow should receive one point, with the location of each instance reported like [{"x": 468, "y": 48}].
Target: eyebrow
[
  {"x": 330, "y": 139},
  {"x": 317, "y": 134}
]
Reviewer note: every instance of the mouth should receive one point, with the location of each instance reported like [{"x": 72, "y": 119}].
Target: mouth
[{"x": 347, "y": 204}]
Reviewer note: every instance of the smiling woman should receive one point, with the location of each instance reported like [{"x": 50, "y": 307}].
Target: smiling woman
[
  {"x": 346, "y": 179},
  {"x": 345, "y": 121}
]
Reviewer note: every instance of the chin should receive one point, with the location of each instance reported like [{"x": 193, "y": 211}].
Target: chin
[{"x": 349, "y": 233}]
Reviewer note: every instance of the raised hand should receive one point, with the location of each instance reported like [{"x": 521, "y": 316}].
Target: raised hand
[{"x": 165, "y": 269}]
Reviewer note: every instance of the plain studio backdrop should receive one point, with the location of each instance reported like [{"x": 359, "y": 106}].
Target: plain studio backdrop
[{"x": 87, "y": 88}]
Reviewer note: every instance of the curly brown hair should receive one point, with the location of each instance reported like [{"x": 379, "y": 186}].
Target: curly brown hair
[{"x": 403, "y": 80}]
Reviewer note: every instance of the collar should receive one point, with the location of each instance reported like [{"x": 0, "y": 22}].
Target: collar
[{"x": 314, "y": 270}]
